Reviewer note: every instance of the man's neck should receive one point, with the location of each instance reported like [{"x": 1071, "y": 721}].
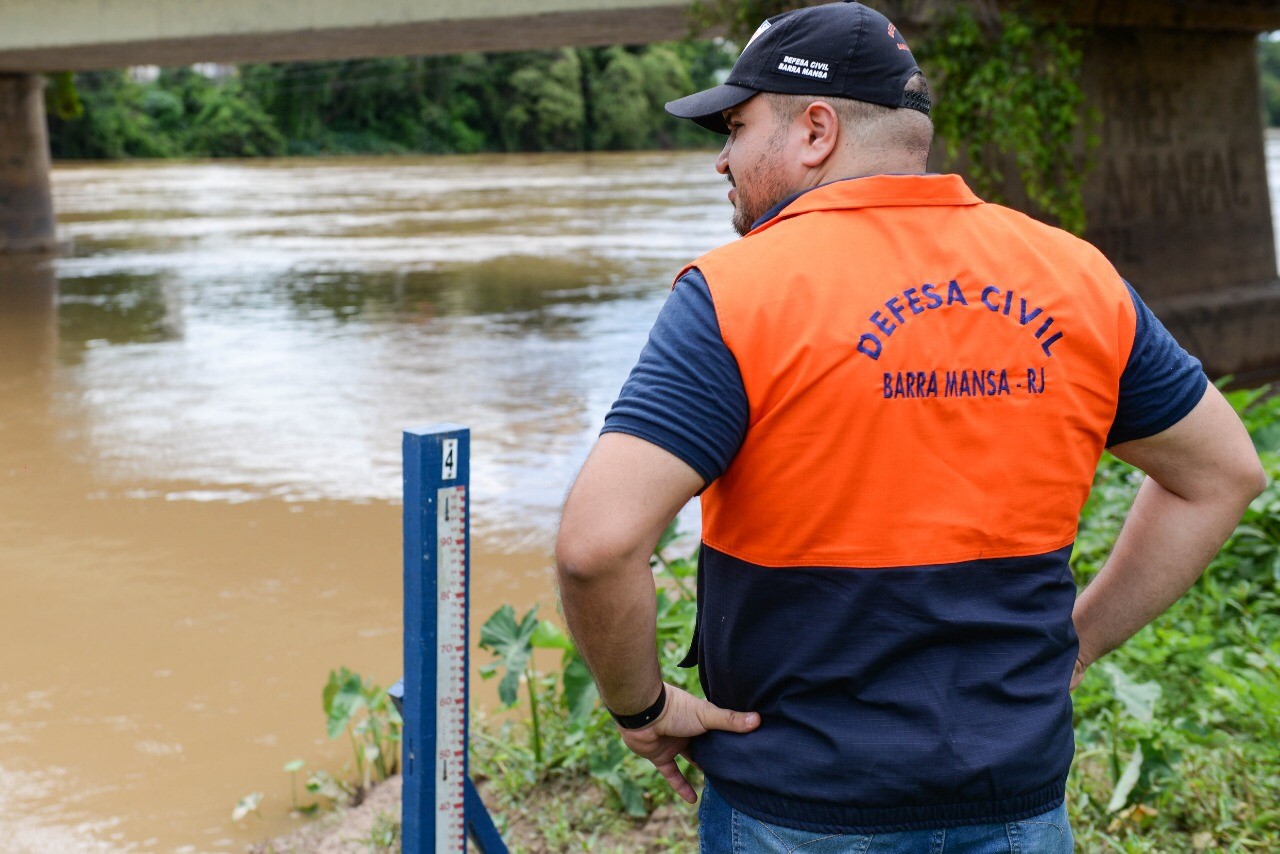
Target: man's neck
[{"x": 860, "y": 167}]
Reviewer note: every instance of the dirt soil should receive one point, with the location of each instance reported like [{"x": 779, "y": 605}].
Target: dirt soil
[
  {"x": 342, "y": 831},
  {"x": 348, "y": 830}
]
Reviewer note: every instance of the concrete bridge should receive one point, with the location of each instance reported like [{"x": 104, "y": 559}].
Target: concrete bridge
[
  {"x": 58, "y": 35},
  {"x": 1178, "y": 198},
  {"x": 63, "y": 35}
]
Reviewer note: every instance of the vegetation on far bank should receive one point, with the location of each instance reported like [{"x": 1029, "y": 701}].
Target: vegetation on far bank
[
  {"x": 575, "y": 99},
  {"x": 1013, "y": 102},
  {"x": 1177, "y": 732},
  {"x": 1269, "y": 65}
]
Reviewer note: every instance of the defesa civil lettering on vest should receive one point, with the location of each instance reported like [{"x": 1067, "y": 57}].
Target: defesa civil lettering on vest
[{"x": 900, "y": 308}]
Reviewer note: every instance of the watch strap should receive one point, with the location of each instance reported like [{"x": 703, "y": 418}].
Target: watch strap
[{"x": 648, "y": 716}]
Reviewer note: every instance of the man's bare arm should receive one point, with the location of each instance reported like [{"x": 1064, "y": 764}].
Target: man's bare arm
[
  {"x": 1201, "y": 475},
  {"x": 627, "y": 492}
]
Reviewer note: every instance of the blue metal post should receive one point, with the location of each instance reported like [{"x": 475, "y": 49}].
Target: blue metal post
[{"x": 437, "y": 477}]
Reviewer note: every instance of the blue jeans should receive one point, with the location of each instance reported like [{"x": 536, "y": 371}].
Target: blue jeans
[{"x": 724, "y": 830}]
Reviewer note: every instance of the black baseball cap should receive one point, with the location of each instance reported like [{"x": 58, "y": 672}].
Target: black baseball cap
[{"x": 843, "y": 50}]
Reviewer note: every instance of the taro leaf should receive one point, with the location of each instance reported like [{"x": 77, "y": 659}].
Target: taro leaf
[
  {"x": 627, "y": 791},
  {"x": 579, "y": 689},
  {"x": 1251, "y": 531},
  {"x": 548, "y": 636},
  {"x": 631, "y": 795},
  {"x": 1159, "y": 762},
  {"x": 343, "y": 697},
  {"x": 608, "y": 760},
  {"x": 1127, "y": 781},
  {"x": 248, "y": 804},
  {"x": 683, "y": 567},
  {"x": 1267, "y": 438},
  {"x": 331, "y": 688},
  {"x": 375, "y": 696},
  {"x": 322, "y": 784},
  {"x": 675, "y": 617},
  {"x": 1139, "y": 698},
  {"x": 607, "y": 767},
  {"x": 1198, "y": 733},
  {"x": 512, "y": 643},
  {"x": 668, "y": 535}
]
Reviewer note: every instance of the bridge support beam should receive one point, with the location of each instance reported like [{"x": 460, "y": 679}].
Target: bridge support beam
[
  {"x": 26, "y": 204},
  {"x": 1178, "y": 196}
]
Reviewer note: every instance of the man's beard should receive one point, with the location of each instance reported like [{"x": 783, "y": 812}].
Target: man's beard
[
  {"x": 749, "y": 207},
  {"x": 741, "y": 221}
]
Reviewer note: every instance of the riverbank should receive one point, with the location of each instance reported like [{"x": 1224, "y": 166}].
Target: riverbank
[
  {"x": 554, "y": 818},
  {"x": 371, "y": 826},
  {"x": 572, "y": 99}
]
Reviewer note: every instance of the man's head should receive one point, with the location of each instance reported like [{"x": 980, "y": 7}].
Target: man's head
[
  {"x": 818, "y": 94},
  {"x": 779, "y": 145}
]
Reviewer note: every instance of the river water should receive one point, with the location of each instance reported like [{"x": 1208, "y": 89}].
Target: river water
[
  {"x": 200, "y": 449},
  {"x": 200, "y": 416}
]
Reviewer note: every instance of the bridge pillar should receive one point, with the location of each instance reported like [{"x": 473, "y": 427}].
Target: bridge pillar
[
  {"x": 1178, "y": 196},
  {"x": 26, "y": 204}
]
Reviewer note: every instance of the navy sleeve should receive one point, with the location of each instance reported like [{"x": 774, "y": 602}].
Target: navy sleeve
[
  {"x": 685, "y": 393},
  {"x": 1161, "y": 382}
]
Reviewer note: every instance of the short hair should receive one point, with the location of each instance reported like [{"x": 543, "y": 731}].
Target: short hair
[{"x": 871, "y": 127}]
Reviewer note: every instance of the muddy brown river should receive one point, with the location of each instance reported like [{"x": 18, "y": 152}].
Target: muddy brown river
[
  {"x": 200, "y": 449},
  {"x": 200, "y": 416}
]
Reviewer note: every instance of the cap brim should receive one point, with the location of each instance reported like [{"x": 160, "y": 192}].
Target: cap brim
[{"x": 706, "y": 106}]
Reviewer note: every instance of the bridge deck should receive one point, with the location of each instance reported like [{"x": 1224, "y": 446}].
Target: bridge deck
[{"x": 61, "y": 35}]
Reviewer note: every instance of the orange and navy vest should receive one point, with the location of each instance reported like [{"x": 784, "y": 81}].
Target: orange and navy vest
[{"x": 884, "y": 573}]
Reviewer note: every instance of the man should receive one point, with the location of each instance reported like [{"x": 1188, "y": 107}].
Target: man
[{"x": 891, "y": 397}]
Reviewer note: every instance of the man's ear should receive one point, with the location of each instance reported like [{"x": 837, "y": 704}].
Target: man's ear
[{"x": 821, "y": 126}]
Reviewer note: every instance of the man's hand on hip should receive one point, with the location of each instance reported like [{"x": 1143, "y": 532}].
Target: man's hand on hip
[
  {"x": 1077, "y": 674},
  {"x": 684, "y": 717}
]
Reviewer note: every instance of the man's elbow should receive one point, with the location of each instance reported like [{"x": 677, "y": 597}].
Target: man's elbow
[
  {"x": 1242, "y": 480},
  {"x": 583, "y": 559},
  {"x": 1254, "y": 479},
  {"x": 575, "y": 562}
]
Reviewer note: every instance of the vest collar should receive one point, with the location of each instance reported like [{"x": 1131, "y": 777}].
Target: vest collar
[{"x": 873, "y": 191}]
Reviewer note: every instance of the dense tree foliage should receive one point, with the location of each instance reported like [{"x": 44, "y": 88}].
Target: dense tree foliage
[
  {"x": 1269, "y": 61},
  {"x": 561, "y": 100},
  {"x": 180, "y": 114}
]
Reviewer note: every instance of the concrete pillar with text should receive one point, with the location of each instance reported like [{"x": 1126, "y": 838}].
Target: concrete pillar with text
[
  {"x": 1178, "y": 195},
  {"x": 1178, "y": 198}
]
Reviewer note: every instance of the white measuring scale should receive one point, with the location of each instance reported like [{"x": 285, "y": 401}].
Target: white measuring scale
[{"x": 451, "y": 666}]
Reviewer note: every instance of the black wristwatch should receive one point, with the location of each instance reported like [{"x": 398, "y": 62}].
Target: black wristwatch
[{"x": 648, "y": 716}]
